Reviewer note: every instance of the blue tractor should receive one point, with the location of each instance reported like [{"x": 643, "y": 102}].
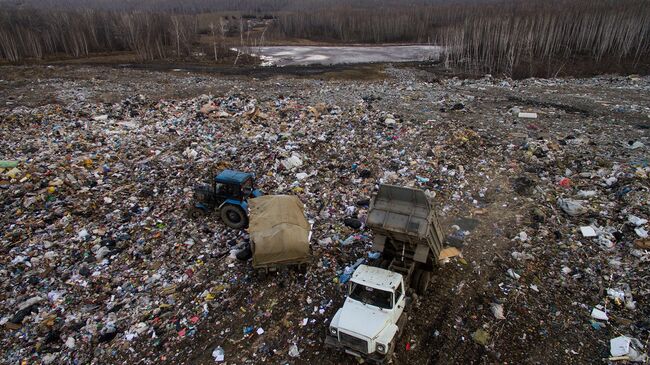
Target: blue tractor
[{"x": 228, "y": 194}]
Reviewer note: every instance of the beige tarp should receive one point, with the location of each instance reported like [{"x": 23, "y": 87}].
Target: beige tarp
[{"x": 278, "y": 229}]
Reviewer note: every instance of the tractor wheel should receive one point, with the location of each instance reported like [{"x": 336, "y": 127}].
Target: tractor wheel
[
  {"x": 195, "y": 213},
  {"x": 423, "y": 284},
  {"x": 234, "y": 216}
]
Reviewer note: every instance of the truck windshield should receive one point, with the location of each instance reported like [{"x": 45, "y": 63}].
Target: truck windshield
[{"x": 377, "y": 297}]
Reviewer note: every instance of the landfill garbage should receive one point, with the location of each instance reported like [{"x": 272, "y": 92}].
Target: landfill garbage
[
  {"x": 588, "y": 231},
  {"x": 218, "y": 354},
  {"x": 599, "y": 314},
  {"x": 634, "y": 145},
  {"x": 292, "y": 162},
  {"x": 565, "y": 182},
  {"x": 7, "y": 164},
  {"x": 449, "y": 252},
  {"x": 636, "y": 220},
  {"x": 572, "y": 207},
  {"x": 294, "y": 351},
  {"x": 587, "y": 193},
  {"x": 641, "y": 232},
  {"x": 103, "y": 266},
  {"x": 642, "y": 243},
  {"x": 497, "y": 310},
  {"x": 481, "y": 336},
  {"x": 527, "y": 115},
  {"x": 513, "y": 274},
  {"x": 628, "y": 348}
]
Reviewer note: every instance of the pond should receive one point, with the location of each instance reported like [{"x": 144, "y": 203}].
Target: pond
[{"x": 325, "y": 55}]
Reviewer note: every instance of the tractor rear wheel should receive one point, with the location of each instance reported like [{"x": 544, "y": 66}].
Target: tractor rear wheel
[{"x": 234, "y": 216}]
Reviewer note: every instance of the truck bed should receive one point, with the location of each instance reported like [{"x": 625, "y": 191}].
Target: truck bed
[{"x": 406, "y": 217}]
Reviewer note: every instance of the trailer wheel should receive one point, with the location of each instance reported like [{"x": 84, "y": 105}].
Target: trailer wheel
[
  {"x": 261, "y": 274},
  {"x": 423, "y": 283},
  {"x": 195, "y": 213},
  {"x": 234, "y": 216}
]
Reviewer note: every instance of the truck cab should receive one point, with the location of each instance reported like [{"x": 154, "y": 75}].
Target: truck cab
[{"x": 372, "y": 314}]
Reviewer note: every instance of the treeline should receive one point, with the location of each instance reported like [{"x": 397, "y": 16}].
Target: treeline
[
  {"x": 77, "y": 33},
  {"x": 546, "y": 38},
  {"x": 486, "y": 35},
  {"x": 242, "y": 6}
]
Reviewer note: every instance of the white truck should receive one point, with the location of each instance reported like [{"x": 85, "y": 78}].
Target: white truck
[{"x": 407, "y": 232}]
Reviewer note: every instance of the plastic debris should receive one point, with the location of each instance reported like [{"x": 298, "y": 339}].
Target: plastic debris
[
  {"x": 588, "y": 231},
  {"x": 571, "y": 207},
  {"x": 8, "y": 164},
  {"x": 527, "y": 115},
  {"x": 294, "y": 351},
  {"x": 497, "y": 310},
  {"x": 599, "y": 314},
  {"x": 636, "y": 220},
  {"x": 513, "y": 274},
  {"x": 630, "y": 348},
  {"x": 218, "y": 354},
  {"x": 481, "y": 336}
]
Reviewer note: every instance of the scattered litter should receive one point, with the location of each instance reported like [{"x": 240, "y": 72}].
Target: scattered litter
[
  {"x": 599, "y": 314},
  {"x": 497, "y": 310},
  {"x": 571, "y": 207},
  {"x": 218, "y": 354},
  {"x": 631, "y": 348},
  {"x": 481, "y": 336},
  {"x": 294, "y": 351},
  {"x": 513, "y": 274},
  {"x": 641, "y": 232},
  {"x": 527, "y": 115},
  {"x": 634, "y": 145},
  {"x": 449, "y": 252},
  {"x": 588, "y": 231},
  {"x": 636, "y": 220}
]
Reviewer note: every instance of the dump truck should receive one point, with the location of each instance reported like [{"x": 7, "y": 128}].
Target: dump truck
[
  {"x": 279, "y": 233},
  {"x": 407, "y": 233}
]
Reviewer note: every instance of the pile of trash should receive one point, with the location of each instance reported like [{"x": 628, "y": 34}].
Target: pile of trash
[{"x": 102, "y": 264}]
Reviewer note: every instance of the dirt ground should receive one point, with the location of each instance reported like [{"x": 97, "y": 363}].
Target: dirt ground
[{"x": 495, "y": 176}]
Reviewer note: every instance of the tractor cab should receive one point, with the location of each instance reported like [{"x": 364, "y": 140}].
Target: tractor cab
[
  {"x": 230, "y": 184},
  {"x": 229, "y": 194}
]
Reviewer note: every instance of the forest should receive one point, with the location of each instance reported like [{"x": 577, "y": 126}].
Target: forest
[{"x": 486, "y": 36}]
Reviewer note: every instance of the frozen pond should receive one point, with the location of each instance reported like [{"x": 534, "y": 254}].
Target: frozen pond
[{"x": 307, "y": 55}]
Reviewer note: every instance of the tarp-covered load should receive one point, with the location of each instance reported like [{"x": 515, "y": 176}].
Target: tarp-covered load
[{"x": 278, "y": 230}]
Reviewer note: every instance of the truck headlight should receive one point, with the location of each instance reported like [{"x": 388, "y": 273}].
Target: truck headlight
[
  {"x": 381, "y": 348},
  {"x": 334, "y": 331}
]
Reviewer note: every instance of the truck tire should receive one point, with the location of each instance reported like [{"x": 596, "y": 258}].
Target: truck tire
[
  {"x": 415, "y": 280},
  {"x": 423, "y": 283},
  {"x": 234, "y": 216}
]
